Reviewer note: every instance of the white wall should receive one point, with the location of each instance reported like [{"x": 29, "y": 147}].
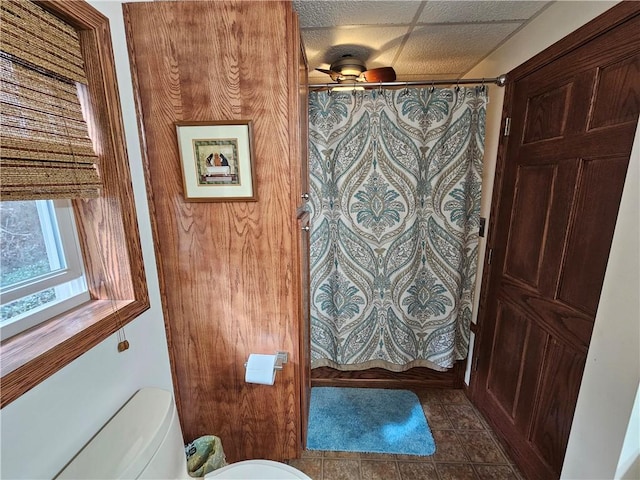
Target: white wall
[
  {"x": 629, "y": 464},
  {"x": 45, "y": 427},
  {"x": 612, "y": 371}
]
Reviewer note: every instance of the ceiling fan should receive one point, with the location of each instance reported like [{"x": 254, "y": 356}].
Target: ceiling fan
[{"x": 348, "y": 69}]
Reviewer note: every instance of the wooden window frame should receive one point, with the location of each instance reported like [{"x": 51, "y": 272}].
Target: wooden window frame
[{"x": 107, "y": 228}]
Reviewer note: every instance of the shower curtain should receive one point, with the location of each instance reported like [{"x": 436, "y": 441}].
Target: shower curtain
[{"x": 395, "y": 179}]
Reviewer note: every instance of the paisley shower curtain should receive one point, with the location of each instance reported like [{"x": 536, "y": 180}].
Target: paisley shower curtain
[{"x": 395, "y": 198}]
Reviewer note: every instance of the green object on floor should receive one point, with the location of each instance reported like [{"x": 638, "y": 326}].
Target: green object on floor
[{"x": 204, "y": 455}]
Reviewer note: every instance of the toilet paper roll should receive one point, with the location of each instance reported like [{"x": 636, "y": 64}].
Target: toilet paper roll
[{"x": 261, "y": 369}]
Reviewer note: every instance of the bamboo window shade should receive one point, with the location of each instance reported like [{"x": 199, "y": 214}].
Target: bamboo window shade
[{"x": 45, "y": 151}]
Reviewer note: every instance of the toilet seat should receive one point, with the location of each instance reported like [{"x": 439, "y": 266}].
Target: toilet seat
[{"x": 257, "y": 469}]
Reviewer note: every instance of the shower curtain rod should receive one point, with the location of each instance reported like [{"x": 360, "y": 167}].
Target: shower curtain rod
[{"x": 499, "y": 81}]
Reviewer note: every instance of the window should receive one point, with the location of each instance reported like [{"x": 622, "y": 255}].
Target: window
[
  {"x": 106, "y": 225},
  {"x": 46, "y": 153},
  {"x": 41, "y": 269}
]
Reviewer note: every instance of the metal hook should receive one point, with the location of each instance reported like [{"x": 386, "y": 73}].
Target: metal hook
[
  {"x": 380, "y": 88},
  {"x": 433, "y": 88},
  {"x": 329, "y": 92},
  {"x": 457, "y": 86},
  {"x": 406, "y": 89}
]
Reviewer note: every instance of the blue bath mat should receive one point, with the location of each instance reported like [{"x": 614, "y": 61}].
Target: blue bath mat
[{"x": 368, "y": 420}]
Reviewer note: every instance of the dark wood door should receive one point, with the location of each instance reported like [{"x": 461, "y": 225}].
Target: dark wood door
[{"x": 560, "y": 181}]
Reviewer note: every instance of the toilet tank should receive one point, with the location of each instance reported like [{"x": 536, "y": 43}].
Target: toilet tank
[{"x": 143, "y": 440}]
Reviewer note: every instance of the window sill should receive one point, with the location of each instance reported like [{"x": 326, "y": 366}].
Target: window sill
[{"x": 32, "y": 356}]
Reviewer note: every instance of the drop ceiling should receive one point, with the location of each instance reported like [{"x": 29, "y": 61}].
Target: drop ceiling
[{"x": 419, "y": 39}]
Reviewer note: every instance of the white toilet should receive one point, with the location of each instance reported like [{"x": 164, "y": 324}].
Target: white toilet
[{"x": 144, "y": 441}]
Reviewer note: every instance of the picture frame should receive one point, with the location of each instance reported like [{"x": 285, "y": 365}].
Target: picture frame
[{"x": 216, "y": 160}]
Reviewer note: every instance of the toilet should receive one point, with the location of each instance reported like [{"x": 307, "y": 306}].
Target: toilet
[{"x": 144, "y": 441}]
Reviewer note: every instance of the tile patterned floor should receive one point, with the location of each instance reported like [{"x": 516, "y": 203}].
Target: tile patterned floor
[{"x": 466, "y": 448}]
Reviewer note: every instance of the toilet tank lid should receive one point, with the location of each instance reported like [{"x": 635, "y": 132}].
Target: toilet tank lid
[{"x": 124, "y": 446}]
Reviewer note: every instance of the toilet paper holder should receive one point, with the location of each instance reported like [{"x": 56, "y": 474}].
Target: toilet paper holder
[{"x": 281, "y": 359}]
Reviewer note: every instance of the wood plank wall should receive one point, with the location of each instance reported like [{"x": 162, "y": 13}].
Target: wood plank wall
[{"x": 227, "y": 270}]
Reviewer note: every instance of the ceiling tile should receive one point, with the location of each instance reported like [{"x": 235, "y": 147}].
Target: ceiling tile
[
  {"x": 354, "y": 12},
  {"x": 376, "y": 46},
  {"x": 478, "y": 11},
  {"x": 451, "y": 38},
  {"x": 439, "y": 49}
]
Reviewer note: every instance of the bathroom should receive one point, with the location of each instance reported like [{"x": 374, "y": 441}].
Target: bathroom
[{"x": 63, "y": 411}]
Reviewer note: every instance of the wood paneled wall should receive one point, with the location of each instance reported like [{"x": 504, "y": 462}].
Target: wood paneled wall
[{"x": 227, "y": 270}]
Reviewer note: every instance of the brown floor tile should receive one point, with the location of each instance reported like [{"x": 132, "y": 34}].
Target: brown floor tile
[
  {"x": 454, "y": 397},
  {"x": 463, "y": 417},
  {"x": 417, "y": 471},
  {"x": 379, "y": 470},
  {"x": 310, "y": 466},
  {"x": 482, "y": 419},
  {"x": 448, "y": 447},
  {"x": 456, "y": 471},
  {"x": 496, "y": 472},
  {"x": 429, "y": 397},
  {"x": 501, "y": 447},
  {"x": 349, "y": 455},
  {"x": 414, "y": 458},
  {"x": 437, "y": 417},
  {"x": 481, "y": 448},
  {"x": 379, "y": 456},
  {"x": 466, "y": 448},
  {"x": 340, "y": 469},
  {"x": 312, "y": 453}
]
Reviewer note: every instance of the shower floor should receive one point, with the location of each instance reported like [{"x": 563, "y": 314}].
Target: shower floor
[{"x": 466, "y": 448}]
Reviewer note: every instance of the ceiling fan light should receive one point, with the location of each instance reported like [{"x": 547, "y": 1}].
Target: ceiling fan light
[
  {"x": 346, "y": 89},
  {"x": 351, "y": 71},
  {"x": 348, "y": 66}
]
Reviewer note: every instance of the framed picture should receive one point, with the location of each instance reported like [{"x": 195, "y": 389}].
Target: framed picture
[{"x": 216, "y": 161}]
